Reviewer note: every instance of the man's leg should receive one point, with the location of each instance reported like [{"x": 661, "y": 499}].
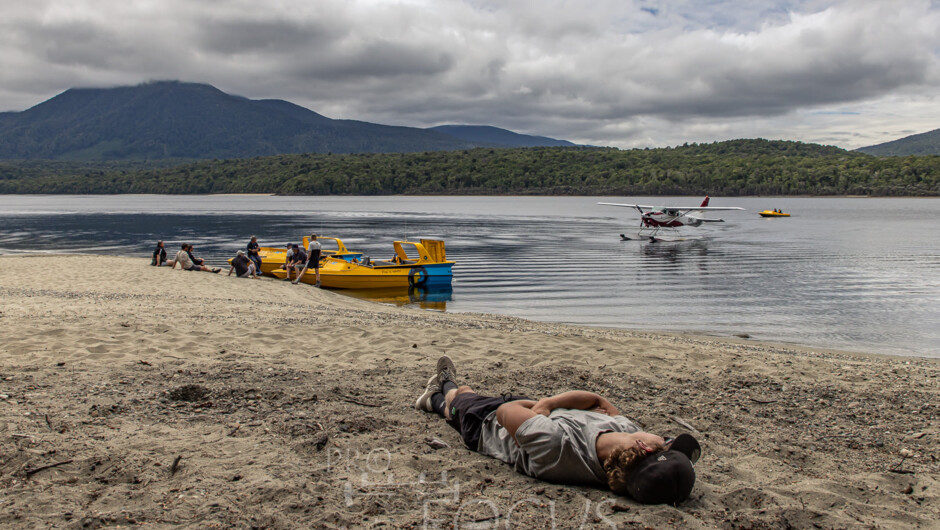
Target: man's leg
[
  {"x": 440, "y": 384},
  {"x": 300, "y": 274},
  {"x": 448, "y": 397}
]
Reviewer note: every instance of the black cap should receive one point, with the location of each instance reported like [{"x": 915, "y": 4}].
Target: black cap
[
  {"x": 666, "y": 477},
  {"x": 688, "y": 445}
]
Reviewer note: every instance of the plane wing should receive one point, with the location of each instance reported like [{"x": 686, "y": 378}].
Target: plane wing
[
  {"x": 627, "y": 205},
  {"x": 680, "y": 208}
]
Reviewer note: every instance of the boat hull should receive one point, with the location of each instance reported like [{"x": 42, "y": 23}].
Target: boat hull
[{"x": 335, "y": 275}]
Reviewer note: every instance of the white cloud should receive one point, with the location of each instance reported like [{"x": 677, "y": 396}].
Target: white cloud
[{"x": 604, "y": 72}]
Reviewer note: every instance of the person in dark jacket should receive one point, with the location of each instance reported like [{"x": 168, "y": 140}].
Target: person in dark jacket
[
  {"x": 242, "y": 266},
  {"x": 159, "y": 255},
  {"x": 254, "y": 255}
]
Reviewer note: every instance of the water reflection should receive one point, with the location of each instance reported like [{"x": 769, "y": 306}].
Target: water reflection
[
  {"x": 675, "y": 252},
  {"x": 434, "y": 298}
]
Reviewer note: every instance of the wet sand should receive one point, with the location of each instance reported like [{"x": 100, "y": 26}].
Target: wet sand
[{"x": 170, "y": 398}]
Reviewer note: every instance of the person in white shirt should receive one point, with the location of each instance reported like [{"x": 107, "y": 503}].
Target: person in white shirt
[{"x": 313, "y": 259}]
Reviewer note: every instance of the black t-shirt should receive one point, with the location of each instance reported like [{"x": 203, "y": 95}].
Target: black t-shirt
[
  {"x": 253, "y": 248},
  {"x": 241, "y": 264},
  {"x": 159, "y": 256}
]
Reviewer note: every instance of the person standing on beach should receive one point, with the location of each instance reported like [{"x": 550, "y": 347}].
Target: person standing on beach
[
  {"x": 574, "y": 437},
  {"x": 313, "y": 259},
  {"x": 253, "y": 253}
]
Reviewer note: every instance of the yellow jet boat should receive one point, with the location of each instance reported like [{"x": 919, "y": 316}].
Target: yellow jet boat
[
  {"x": 773, "y": 213},
  {"x": 426, "y": 266},
  {"x": 273, "y": 258}
]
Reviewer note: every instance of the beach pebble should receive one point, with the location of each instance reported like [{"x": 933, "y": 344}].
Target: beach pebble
[{"x": 906, "y": 453}]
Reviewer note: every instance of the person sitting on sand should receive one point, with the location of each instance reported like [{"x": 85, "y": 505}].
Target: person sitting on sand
[
  {"x": 313, "y": 259},
  {"x": 287, "y": 259},
  {"x": 296, "y": 260},
  {"x": 242, "y": 266},
  {"x": 253, "y": 249},
  {"x": 159, "y": 255},
  {"x": 185, "y": 259},
  {"x": 575, "y": 437}
]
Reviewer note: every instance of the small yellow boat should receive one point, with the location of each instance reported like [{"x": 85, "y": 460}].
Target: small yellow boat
[
  {"x": 427, "y": 266},
  {"x": 273, "y": 258},
  {"x": 773, "y": 213}
]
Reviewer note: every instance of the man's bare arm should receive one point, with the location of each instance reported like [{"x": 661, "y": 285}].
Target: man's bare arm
[
  {"x": 513, "y": 414},
  {"x": 575, "y": 399}
]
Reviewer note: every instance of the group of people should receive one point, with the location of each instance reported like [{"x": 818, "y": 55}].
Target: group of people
[
  {"x": 246, "y": 263},
  {"x": 184, "y": 258},
  {"x": 299, "y": 261}
]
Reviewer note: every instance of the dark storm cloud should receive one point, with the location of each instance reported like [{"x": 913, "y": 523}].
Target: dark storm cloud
[
  {"x": 377, "y": 59},
  {"x": 265, "y": 36}
]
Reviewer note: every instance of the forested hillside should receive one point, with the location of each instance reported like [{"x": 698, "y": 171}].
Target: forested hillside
[
  {"x": 740, "y": 167},
  {"x": 486, "y": 136},
  {"x": 927, "y": 143}
]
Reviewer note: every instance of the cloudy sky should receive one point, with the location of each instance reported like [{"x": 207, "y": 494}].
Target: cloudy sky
[{"x": 625, "y": 73}]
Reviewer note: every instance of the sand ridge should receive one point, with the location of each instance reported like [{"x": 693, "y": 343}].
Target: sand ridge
[{"x": 288, "y": 406}]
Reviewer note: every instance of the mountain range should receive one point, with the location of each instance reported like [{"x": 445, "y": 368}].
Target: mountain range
[
  {"x": 927, "y": 143},
  {"x": 177, "y": 120}
]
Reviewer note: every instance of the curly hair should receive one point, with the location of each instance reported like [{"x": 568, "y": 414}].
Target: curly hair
[{"x": 621, "y": 462}]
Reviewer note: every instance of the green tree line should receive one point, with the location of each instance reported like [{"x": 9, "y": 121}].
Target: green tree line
[{"x": 738, "y": 167}]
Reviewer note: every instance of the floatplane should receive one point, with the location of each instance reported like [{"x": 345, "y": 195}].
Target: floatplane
[{"x": 662, "y": 223}]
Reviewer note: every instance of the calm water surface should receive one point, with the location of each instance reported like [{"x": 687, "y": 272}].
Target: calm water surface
[{"x": 854, "y": 274}]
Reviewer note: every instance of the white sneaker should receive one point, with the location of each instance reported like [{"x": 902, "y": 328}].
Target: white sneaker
[{"x": 423, "y": 402}]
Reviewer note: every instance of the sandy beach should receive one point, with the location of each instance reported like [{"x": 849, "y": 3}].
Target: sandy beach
[{"x": 132, "y": 395}]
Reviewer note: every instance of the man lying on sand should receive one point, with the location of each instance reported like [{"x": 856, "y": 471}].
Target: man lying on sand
[{"x": 575, "y": 437}]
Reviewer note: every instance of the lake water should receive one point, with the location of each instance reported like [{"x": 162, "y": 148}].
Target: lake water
[{"x": 852, "y": 274}]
